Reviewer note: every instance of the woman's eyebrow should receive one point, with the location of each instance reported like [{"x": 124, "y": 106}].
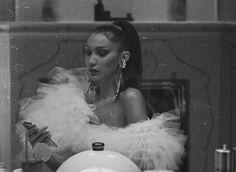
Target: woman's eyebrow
[{"x": 102, "y": 47}]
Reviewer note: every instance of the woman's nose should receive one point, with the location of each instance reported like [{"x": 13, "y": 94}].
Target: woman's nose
[{"x": 92, "y": 59}]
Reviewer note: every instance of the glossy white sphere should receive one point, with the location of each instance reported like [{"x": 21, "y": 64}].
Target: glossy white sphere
[{"x": 98, "y": 161}]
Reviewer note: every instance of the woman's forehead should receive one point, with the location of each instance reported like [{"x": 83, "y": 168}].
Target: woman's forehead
[{"x": 99, "y": 40}]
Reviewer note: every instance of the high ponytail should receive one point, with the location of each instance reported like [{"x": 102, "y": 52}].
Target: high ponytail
[{"x": 133, "y": 72}]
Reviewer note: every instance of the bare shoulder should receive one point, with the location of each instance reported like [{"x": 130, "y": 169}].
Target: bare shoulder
[
  {"x": 134, "y": 105},
  {"x": 131, "y": 94}
]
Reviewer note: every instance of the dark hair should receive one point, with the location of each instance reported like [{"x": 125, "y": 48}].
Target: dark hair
[{"x": 128, "y": 38}]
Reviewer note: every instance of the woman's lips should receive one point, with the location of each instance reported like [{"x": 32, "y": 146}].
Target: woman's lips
[{"x": 93, "y": 71}]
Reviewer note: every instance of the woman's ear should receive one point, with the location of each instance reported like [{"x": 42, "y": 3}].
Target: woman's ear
[{"x": 125, "y": 56}]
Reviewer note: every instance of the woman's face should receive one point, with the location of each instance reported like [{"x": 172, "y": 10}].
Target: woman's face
[{"x": 102, "y": 57}]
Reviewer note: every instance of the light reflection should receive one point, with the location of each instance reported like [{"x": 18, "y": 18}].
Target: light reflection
[{"x": 97, "y": 169}]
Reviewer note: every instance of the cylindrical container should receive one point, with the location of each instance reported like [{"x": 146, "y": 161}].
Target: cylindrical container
[
  {"x": 223, "y": 159},
  {"x": 233, "y": 166},
  {"x": 2, "y": 168},
  {"x": 31, "y": 166}
]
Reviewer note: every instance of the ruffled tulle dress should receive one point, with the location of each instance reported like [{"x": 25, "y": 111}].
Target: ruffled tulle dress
[{"x": 155, "y": 143}]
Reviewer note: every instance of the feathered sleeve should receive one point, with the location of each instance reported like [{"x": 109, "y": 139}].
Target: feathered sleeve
[{"x": 152, "y": 144}]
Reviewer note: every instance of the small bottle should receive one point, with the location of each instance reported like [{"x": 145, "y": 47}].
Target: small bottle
[
  {"x": 98, "y": 146},
  {"x": 47, "y": 11},
  {"x": 98, "y": 10},
  {"x": 2, "y": 167}
]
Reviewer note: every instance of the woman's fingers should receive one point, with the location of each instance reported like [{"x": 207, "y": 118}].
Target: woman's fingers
[
  {"x": 94, "y": 120},
  {"x": 38, "y": 136},
  {"x": 32, "y": 131},
  {"x": 39, "y": 133},
  {"x": 47, "y": 139},
  {"x": 27, "y": 125},
  {"x": 43, "y": 137}
]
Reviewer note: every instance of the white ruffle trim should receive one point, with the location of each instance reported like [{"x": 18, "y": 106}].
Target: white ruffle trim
[{"x": 152, "y": 144}]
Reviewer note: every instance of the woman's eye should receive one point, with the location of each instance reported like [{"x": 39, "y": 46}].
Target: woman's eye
[{"x": 102, "y": 53}]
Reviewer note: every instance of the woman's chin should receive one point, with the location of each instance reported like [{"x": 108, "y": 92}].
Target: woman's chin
[{"x": 94, "y": 78}]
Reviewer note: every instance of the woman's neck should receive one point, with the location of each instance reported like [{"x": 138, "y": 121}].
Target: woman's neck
[{"x": 106, "y": 89}]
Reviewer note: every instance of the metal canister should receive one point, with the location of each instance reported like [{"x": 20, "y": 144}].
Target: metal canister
[
  {"x": 2, "y": 168},
  {"x": 223, "y": 159}
]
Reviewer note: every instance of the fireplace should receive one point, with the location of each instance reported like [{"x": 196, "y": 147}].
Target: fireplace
[{"x": 169, "y": 95}]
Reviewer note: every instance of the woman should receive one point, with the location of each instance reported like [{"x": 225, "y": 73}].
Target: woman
[
  {"x": 114, "y": 66},
  {"x": 103, "y": 103}
]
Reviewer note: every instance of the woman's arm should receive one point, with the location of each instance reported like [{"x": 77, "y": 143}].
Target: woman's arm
[{"x": 134, "y": 105}]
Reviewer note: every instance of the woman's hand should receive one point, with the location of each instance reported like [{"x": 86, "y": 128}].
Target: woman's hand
[
  {"x": 36, "y": 135},
  {"x": 94, "y": 120}
]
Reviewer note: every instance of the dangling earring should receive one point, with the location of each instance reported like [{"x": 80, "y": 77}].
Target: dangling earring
[
  {"x": 119, "y": 78},
  {"x": 91, "y": 91},
  {"x": 123, "y": 64},
  {"x": 118, "y": 84}
]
